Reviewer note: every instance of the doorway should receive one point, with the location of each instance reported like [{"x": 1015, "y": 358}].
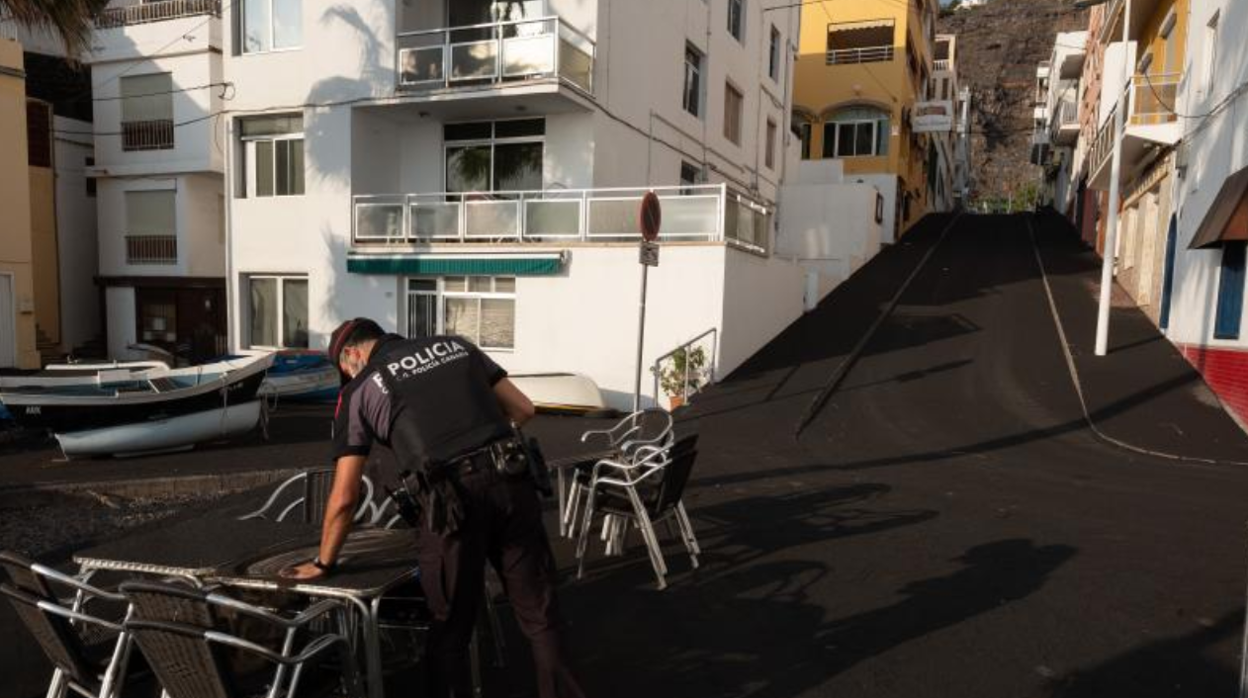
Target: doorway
[{"x": 8, "y": 323}]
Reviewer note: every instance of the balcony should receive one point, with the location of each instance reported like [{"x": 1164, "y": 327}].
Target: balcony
[
  {"x": 495, "y": 55},
  {"x": 1151, "y": 123},
  {"x": 156, "y": 134},
  {"x": 867, "y": 54},
  {"x": 1064, "y": 126},
  {"x": 942, "y": 64},
  {"x": 131, "y": 15},
  {"x": 701, "y": 213},
  {"x": 151, "y": 249}
]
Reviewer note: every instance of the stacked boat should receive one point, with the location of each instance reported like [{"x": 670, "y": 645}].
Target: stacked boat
[
  {"x": 133, "y": 408},
  {"x": 302, "y": 375}
]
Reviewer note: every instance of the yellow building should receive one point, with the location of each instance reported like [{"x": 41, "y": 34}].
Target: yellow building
[
  {"x": 862, "y": 66},
  {"x": 17, "y": 305}
]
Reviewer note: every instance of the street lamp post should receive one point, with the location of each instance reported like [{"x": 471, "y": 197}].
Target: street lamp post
[{"x": 1111, "y": 223}]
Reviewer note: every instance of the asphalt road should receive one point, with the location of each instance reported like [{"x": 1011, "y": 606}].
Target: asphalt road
[{"x": 947, "y": 524}]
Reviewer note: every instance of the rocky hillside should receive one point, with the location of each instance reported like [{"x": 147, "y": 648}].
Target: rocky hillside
[{"x": 999, "y": 45}]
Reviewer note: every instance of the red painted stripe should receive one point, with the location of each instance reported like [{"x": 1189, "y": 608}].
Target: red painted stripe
[{"x": 1226, "y": 372}]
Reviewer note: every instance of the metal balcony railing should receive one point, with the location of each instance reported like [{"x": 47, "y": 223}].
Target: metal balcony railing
[
  {"x": 495, "y": 53},
  {"x": 151, "y": 249},
  {"x": 697, "y": 213},
  {"x": 942, "y": 64},
  {"x": 161, "y": 11},
  {"x": 155, "y": 134},
  {"x": 867, "y": 54}
]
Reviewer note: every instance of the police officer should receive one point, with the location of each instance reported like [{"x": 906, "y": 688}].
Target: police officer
[{"x": 447, "y": 411}]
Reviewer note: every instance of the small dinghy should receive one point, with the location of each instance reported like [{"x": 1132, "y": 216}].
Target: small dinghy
[
  {"x": 131, "y": 408},
  {"x": 563, "y": 393},
  {"x": 302, "y": 375}
]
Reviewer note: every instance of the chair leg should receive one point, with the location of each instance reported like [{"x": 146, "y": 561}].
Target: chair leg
[
  {"x": 652, "y": 542},
  {"x": 569, "y": 511},
  {"x": 57, "y": 688},
  {"x": 582, "y": 543},
  {"x": 686, "y": 530}
]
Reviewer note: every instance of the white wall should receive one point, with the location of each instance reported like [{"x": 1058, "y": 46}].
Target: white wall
[
  {"x": 119, "y": 304},
  {"x": 77, "y": 244},
  {"x": 762, "y": 296},
  {"x": 1112, "y": 80},
  {"x": 1216, "y": 148},
  {"x": 885, "y": 184},
  {"x": 201, "y": 232}
]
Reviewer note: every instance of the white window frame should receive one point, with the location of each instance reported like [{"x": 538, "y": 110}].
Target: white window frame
[
  {"x": 250, "y": 160},
  {"x": 774, "y": 51},
  {"x": 491, "y": 143},
  {"x": 1209, "y": 54},
  {"x": 441, "y": 295},
  {"x": 241, "y": 9},
  {"x": 875, "y": 138},
  {"x": 281, "y": 306},
  {"x": 739, "y": 34},
  {"x": 740, "y": 116},
  {"x": 697, "y": 96}
]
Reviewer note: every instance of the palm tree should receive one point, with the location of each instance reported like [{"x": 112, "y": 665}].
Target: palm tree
[{"x": 69, "y": 19}]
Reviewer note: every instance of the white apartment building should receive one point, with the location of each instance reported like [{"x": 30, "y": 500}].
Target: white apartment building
[
  {"x": 943, "y": 89},
  {"x": 475, "y": 167},
  {"x": 1058, "y": 130},
  {"x": 157, "y": 78}
]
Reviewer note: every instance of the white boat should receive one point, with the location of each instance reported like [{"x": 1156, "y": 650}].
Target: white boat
[
  {"x": 302, "y": 375},
  {"x": 83, "y": 366},
  {"x": 564, "y": 393},
  {"x": 177, "y": 433}
]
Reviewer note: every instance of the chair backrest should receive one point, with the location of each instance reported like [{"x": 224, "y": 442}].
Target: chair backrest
[
  {"x": 36, "y": 605},
  {"x": 675, "y": 477},
  {"x": 54, "y": 633},
  {"x": 307, "y": 495},
  {"x": 187, "y": 665}
]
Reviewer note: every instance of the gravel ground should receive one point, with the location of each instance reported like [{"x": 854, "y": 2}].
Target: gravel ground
[{"x": 55, "y": 530}]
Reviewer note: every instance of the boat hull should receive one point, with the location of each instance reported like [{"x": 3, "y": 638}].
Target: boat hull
[
  {"x": 561, "y": 393},
  {"x": 160, "y": 435}
]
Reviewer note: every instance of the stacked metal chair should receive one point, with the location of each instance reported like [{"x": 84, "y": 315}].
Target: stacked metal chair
[
  {"x": 637, "y": 437},
  {"x": 83, "y": 636},
  {"x": 308, "y": 493},
  {"x": 640, "y": 492},
  {"x": 185, "y": 635}
]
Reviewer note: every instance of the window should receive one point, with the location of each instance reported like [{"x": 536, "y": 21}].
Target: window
[
  {"x": 1209, "y": 57},
  {"x": 1172, "y": 37},
  {"x": 801, "y": 128},
  {"x": 773, "y": 55},
  {"x": 690, "y": 174},
  {"x": 1230, "y": 292},
  {"x": 691, "y": 96},
  {"x": 494, "y": 155},
  {"x": 272, "y": 155},
  {"x": 157, "y": 317},
  {"x": 90, "y": 162},
  {"x": 736, "y": 19},
  {"x": 147, "y": 111},
  {"x": 733, "y": 101},
  {"x": 481, "y": 309},
  {"x": 769, "y": 152},
  {"x": 270, "y": 24},
  {"x": 278, "y": 311},
  {"x": 856, "y": 132},
  {"x": 151, "y": 227}
]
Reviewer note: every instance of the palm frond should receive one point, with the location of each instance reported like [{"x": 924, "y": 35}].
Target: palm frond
[{"x": 69, "y": 19}]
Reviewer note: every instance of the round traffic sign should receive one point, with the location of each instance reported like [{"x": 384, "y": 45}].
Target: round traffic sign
[{"x": 650, "y": 216}]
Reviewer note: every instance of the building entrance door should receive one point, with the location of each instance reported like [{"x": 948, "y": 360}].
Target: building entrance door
[{"x": 8, "y": 323}]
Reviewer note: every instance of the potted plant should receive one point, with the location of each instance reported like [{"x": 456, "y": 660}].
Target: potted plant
[{"x": 683, "y": 375}]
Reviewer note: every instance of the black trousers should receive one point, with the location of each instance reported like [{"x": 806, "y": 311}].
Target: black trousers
[{"x": 502, "y": 524}]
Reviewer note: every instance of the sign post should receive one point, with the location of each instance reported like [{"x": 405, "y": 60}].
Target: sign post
[{"x": 648, "y": 220}]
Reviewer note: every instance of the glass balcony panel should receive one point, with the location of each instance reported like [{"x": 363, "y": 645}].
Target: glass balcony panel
[
  {"x": 525, "y": 56},
  {"x": 435, "y": 220},
  {"x": 552, "y": 219},
  {"x": 474, "y": 61},
  {"x": 614, "y": 217},
  {"x": 421, "y": 66},
  {"x": 378, "y": 221},
  {"x": 690, "y": 217},
  {"x": 576, "y": 65},
  {"x": 492, "y": 220}
]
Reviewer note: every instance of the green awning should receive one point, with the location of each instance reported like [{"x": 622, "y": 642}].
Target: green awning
[{"x": 456, "y": 265}]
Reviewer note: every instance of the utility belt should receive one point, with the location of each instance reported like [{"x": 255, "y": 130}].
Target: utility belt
[{"x": 436, "y": 502}]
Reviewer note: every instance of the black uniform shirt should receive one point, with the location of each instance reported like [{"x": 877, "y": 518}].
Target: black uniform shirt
[{"x": 447, "y": 405}]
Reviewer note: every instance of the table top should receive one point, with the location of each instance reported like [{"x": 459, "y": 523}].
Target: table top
[
  {"x": 372, "y": 561},
  {"x": 575, "y": 459},
  {"x": 197, "y": 542}
]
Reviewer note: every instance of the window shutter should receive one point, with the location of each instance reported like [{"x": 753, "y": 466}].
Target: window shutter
[
  {"x": 147, "y": 97},
  {"x": 151, "y": 212}
]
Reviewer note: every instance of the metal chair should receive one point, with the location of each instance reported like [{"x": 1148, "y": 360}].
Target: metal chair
[
  {"x": 309, "y": 492},
  {"x": 182, "y": 633},
  {"x": 636, "y": 437},
  {"x": 89, "y": 649},
  {"x": 642, "y": 494}
]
